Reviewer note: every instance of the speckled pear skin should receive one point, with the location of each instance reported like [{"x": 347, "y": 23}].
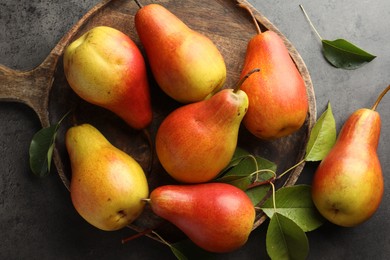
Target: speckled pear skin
[
  {"x": 348, "y": 185},
  {"x": 106, "y": 68},
  {"x": 186, "y": 64},
  {"x": 196, "y": 141},
  {"x": 107, "y": 185},
  {"x": 218, "y": 217}
]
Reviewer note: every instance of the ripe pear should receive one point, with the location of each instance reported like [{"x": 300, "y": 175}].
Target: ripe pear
[
  {"x": 218, "y": 217},
  {"x": 348, "y": 184},
  {"x": 186, "y": 64},
  {"x": 277, "y": 95},
  {"x": 196, "y": 141},
  {"x": 106, "y": 68},
  {"x": 107, "y": 185}
]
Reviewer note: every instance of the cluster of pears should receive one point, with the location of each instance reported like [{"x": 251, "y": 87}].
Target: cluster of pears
[{"x": 194, "y": 142}]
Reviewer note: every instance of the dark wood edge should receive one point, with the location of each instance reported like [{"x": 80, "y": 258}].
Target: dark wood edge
[
  {"x": 32, "y": 87},
  {"x": 312, "y": 113},
  {"x": 24, "y": 86}
]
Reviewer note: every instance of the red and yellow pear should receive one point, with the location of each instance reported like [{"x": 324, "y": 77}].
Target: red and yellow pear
[
  {"x": 347, "y": 186},
  {"x": 218, "y": 217},
  {"x": 196, "y": 141},
  {"x": 277, "y": 95},
  {"x": 106, "y": 68},
  {"x": 107, "y": 185},
  {"x": 186, "y": 64}
]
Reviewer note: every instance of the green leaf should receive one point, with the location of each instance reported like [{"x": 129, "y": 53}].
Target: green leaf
[
  {"x": 247, "y": 169},
  {"x": 343, "y": 54},
  {"x": 179, "y": 255},
  {"x": 248, "y": 165},
  {"x": 41, "y": 149},
  {"x": 322, "y": 136},
  {"x": 239, "y": 155},
  {"x": 257, "y": 194},
  {"x": 241, "y": 182},
  {"x": 285, "y": 239},
  {"x": 295, "y": 202}
]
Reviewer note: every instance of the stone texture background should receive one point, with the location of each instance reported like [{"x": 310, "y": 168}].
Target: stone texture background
[{"x": 37, "y": 220}]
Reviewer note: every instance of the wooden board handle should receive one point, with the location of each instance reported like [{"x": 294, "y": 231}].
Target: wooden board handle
[
  {"x": 33, "y": 87},
  {"x": 28, "y": 87}
]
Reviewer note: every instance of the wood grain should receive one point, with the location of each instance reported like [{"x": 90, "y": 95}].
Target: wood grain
[{"x": 230, "y": 27}]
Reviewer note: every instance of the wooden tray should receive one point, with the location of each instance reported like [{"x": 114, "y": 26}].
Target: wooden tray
[{"x": 47, "y": 92}]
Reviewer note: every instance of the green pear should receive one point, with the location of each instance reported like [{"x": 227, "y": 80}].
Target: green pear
[
  {"x": 186, "y": 64},
  {"x": 106, "y": 68},
  {"x": 218, "y": 217},
  {"x": 347, "y": 186},
  {"x": 107, "y": 184}
]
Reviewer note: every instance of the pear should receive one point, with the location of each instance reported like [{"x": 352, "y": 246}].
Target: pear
[
  {"x": 186, "y": 64},
  {"x": 106, "y": 68},
  {"x": 347, "y": 186},
  {"x": 218, "y": 217},
  {"x": 277, "y": 95},
  {"x": 107, "y": 185},
  {"x": 196, "y": 141}
]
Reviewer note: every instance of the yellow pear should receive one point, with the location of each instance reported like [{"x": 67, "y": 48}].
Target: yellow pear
[
  {"x": 107, "y": 184},
  {"x": 105, "y": 67}
]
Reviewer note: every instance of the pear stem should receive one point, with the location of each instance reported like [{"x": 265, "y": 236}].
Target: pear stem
[
  {"x": 260, "y": 183},
  {"x": 140, "y": 234},
  {"x": 380, "y": 98},
  {"x": 291, "y": 168},
  {"x": 138, "y": 3},
  {"x": 146, "y": 200},
  {"x": 162, "y": 239},
  {"x": 273, "y": 196},
  {"x": 238, "y": 86},
  {"x": 253, "y": 17},
  {"x": 311, "y": 24}
]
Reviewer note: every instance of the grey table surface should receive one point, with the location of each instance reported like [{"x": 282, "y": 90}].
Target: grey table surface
[{"x": 37, "y": 220}]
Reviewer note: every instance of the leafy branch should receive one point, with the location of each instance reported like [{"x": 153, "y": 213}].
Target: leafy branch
[{"x": 322, "y": 139}]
